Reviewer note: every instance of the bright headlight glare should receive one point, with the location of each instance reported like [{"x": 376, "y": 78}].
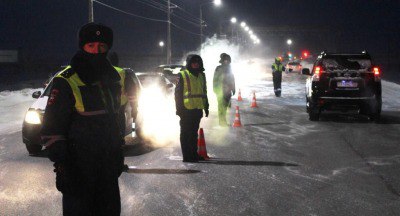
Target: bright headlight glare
[{"x": 32, "y": 117}]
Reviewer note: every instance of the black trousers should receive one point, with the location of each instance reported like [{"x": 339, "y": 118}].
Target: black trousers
[
  {"x": 190, "y": 121},
  {"x": 97, "y": 197},
  {"x": 223, "y": 103},
  {"x": 277, "y": 79}
]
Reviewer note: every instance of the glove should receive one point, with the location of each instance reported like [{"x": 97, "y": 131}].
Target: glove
[
  {"x": 207, "y": 112},
  {"x": 65, "y": 182}
]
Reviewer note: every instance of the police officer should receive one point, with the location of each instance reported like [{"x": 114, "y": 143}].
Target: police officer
[
  {"x": 82, "y": 126},
  {"x": 190, "y": 100},
  {"x": 223, "y": 86},
  {"x": 277, "y": 69}
]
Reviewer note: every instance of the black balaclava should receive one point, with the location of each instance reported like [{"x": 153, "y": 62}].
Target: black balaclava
[
  {"x": 94, "y": 67},
  {"x": 194, "y": 58}
]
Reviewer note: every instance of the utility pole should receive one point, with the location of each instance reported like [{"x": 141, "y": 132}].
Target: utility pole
[
  {"x": 91, "y": 18},
  {"x": 201, "y": 27},
  {"x": 169, "y": 33}
]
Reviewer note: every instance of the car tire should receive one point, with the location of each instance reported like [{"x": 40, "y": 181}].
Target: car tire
[
  {"x": 313, "y": 115},
  {"x": 33, "y": 149}
]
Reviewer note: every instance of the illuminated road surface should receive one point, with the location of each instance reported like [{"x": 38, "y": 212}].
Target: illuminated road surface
[{"x": 278, "y": 163}]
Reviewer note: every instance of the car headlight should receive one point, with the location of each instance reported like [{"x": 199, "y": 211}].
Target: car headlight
[{"x": 32, "y": 117}]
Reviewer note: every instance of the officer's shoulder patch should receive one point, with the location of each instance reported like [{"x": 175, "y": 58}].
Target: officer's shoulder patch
[{"x": 67, "y": 73}]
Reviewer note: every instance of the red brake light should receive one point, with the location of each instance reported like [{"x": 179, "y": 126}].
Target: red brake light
[
  {"x": 317, "y": 70},
  {"x": 376, "y": 71}
]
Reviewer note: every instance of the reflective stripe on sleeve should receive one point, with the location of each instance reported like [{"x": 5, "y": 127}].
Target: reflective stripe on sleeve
[{"x": 50, "y": 140}]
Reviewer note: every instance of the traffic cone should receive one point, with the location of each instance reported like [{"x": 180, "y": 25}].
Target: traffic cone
[
  {"x": 201, "y": 145},
  {"x": 240, "y": 96},
  {"x": 237, "y": 122},
  {"x": 254, "y": 102}
]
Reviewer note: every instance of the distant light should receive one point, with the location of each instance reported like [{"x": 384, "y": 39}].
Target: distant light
[
  {"x": 233, "y": 20},
  {"x": 289, "y": 42},
  {"x": 161, "y": 44},
  {"x": 243, "y": 24},
  {"x": 250, "y": 32},
  {"x": 246, "y": 28},
  {"x": 253, "y": 37},
  {"x": 217, "y": 2}
]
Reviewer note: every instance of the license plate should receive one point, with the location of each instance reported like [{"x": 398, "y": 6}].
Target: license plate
[{"x": 347, "y": 84}]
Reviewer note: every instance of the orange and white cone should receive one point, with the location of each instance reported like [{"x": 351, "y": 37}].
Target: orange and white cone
[
  {"x": 254, "y": 102},
  {"x": 237, "y": 122},
  {"x": 201, "y": 145},
  {"x": 240, "y": 96}
]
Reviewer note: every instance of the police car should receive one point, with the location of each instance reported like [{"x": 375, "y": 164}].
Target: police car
[{"x": 34, "y": 117}]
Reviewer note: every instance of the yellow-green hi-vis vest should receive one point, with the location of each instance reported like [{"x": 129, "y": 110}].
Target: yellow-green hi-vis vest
[
  {"x": 75, "y": 82},
  {"x": 194, "y": 93},
  {"x": 277, "y": 68}
]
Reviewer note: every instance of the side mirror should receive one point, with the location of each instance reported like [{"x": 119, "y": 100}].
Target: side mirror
[
  {"x": 305, "y": 71},
  {"x": 36, "y": 94}
]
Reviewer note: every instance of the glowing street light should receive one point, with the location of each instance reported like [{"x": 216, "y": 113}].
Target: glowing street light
[
  {"x": 243, "y": 24},
  {"x": 233, "y": 20},
  {"x": 246, "y": 28},
  {"x": 161, "y": 44},
  {"x": 217, "y": 2},
  {"x": 289, "y": 42}
]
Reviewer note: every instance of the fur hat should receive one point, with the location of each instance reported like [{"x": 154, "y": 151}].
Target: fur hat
[{"x": 95, "y": 32}]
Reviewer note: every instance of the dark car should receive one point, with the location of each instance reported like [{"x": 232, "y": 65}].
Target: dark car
[
  {"x": 150, "y": 79},
  {"x": 293, "y": 66},
  {"x": 170, "y": 71},
  {"x": 344, "y": 82},
  {"x": 34, "y": 116}
]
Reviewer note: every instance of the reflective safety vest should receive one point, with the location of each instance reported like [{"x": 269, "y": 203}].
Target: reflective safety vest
[
  {"x": 277, "y": 67},
  {"x": 76, "y": 83},
  {"x": 194, "y": 92}
]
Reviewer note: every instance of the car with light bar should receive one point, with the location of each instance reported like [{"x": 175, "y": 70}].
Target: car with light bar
[
  {"x": 343, "y": 82},
  {"x": 32, "y": 123}
]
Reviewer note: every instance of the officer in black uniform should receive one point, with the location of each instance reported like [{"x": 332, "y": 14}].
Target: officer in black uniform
[{"x": 82, "y": 127}]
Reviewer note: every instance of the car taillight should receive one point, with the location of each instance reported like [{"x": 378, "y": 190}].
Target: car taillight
[
  {"x": 317, "y": 73},
  {"x": 377, "y": 74}
]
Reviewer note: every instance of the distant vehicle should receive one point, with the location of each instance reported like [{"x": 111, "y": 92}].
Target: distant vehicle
[
  {"x": 293, "y": 66},
  {"x": 170, "y": 71},
  {"x": 34, "y": 116},
  {"x": 344, "y": 82},
  {"x": 151, "y": 79}
]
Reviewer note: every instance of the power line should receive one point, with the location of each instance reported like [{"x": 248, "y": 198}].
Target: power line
[
  {"x": 131, "y": 14},
  {"x": 178, "y": 27}
]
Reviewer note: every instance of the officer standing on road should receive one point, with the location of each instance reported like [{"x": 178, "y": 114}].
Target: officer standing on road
[
  {"x": 190, "y": 100},
  {"x": 223, "y": 86},
  {"x": 82, "y": 127},
  {"x": 277, "y": 69}
]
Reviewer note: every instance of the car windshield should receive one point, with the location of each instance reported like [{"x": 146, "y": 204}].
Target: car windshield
[
  {"x": 346, "y": 62},
  {"x": 148, "y": 80}
]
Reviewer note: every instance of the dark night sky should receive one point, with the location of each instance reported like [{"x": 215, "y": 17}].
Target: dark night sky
[{"x": 49, "y": 28}]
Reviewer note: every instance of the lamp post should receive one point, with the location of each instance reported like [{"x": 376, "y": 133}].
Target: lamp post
[
  {"x": 289, "y": 42},
  {"x": 216, "y": 3}
]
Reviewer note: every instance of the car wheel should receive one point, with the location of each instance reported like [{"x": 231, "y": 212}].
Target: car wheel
[
  {"x": 374, "y": 109},
  {"x": 313, "y": 115},
  {"x": 33, "y": 149}
]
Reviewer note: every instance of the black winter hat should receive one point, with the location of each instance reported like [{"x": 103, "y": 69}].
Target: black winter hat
[
  {"x": 224, "y": 57},
  {"x": 194, "y": 58},
  {"x": 95, "y": 32}
]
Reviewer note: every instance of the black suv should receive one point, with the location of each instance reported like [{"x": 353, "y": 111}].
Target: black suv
[{"x": 344, "y": 82}]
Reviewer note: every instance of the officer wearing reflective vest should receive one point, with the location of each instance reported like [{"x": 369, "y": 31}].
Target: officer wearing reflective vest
[
  {"x": 191, "y": 99},
  {"x": 277, "y": 69},
  {"x": 83, "y": 126}
]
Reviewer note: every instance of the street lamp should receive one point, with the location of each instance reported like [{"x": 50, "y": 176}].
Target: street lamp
[
  {"x": 161, "y": 44},
  {"x": 289, "y": 42},
  {"x": 243, "y": 24},
  {"x": 216, "y": 3},
  {"x": 233, "y": 20}
]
